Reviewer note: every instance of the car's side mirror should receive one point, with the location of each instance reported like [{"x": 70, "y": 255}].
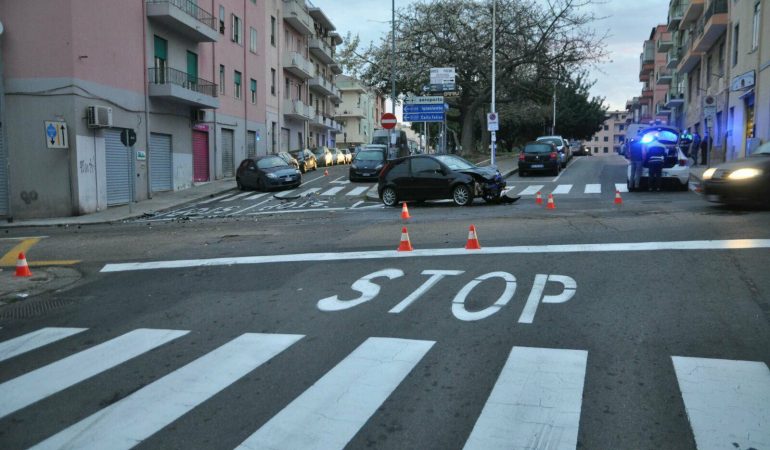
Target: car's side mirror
[{"x": 252, "y": 168}]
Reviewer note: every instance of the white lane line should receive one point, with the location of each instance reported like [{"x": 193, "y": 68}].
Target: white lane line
[
  {"x": 727, "y": 402},
  {"x": 256, "y": 196},
  {"x": 562, "y": 189},
  {"x": 535, "y": 402},
  {"x": 133, "y": 419},
  {"x": 593, "y": 189},
  {"x": 36, "y": 339},
  {"x": 333, "y": 191},
  {"x": 331, "y": 412},
  {"x": 256, "y": 205},
  {"x": 622, "y": 187},
  {"x": 39, "y": 384},
  {"x": 358, "y": 191},
  {"x": 309, "y": 192},
  {"x": 236, "y": 197},
  {"x": 213, "y": 199},
  {"x": 297, "y": 211},
  {"x": 532, "y": 190},
  {"x": 731, "y": 244},
  {"x": 283, "y": 194}
]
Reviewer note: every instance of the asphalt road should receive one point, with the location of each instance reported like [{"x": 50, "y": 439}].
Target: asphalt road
[{"x": 593, "y": 325}]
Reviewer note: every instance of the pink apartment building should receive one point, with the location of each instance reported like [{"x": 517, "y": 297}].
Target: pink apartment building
[{"x": 105, "y": 103}]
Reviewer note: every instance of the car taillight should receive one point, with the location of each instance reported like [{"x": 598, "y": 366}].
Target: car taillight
[
  {"x": 522, "y": 157},
  {"x": 554, "y": 155},
  {"x": 682, "y": 162}
]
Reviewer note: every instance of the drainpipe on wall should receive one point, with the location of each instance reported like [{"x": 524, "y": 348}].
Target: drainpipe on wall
[
  {"x": 213, "y": 76},
  {"x": 146, "y": 78}
]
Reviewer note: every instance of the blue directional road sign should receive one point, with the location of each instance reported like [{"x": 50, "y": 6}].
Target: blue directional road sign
[
  {"x": 424, "y": 117},
  {"x": 412, "y": 108}
]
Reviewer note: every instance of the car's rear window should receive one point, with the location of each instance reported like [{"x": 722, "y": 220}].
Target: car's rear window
[
  {"x": 269, "y": 162},
  {"x": 554, "y": 141},
  {"x": 370, "y": 155},
  {"x": 538, "y": 148}
]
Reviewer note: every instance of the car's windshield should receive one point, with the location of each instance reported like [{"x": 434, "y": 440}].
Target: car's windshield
[
  {"x": 538, "y": 148},
  {"x": 318, "y": 151},
  {"x": 455, "y": 162},
  {"x": 270, "y": 162},
  {"x": 661, "y": 136},
  {"x": 554, "y": 141},
  {"x": 370, "y": 155}
]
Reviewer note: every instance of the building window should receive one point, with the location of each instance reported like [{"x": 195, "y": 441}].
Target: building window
[
  {"x": 161, "y": 56},
  {"x": 222, "y": 79},
  {"x": 286, "y": 85},
  {"x": 621, "y": 127},
  {"x": 253, "y": 91},
  {"x": 606, "y": 128},
  {"x": 272, "y": 30},
  {"x": 252, "y": 40},
  {"x": 596, "y": 138},
  {"x": 736, "y": 33},
  {"x": 606, "y": 150},
  {"x": 721, "y": 58},
  {"x": 237, "y": 83},
  {"x": 221, "y": 19},
  {"x": 606, "y": 139},
  {"x": 272, "y": 81},
  {"x": 237, "y": 33},
  {"x": 755, "y": 30}
]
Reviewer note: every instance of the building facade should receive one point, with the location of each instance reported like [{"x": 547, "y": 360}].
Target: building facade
[
  {"x": 359, "y": 113},
  {"x": 134, "y": 98},
  {"x": 610, "y": 138}
]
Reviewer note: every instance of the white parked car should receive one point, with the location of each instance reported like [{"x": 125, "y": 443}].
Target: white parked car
[
  {"x": 676, "y": 169},
  {"x": 562, "y": 146}
]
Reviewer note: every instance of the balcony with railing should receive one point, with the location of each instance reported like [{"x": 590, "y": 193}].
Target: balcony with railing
[
  {"x": 647, "y": 92},
  {"x": 335, "y": 68},
  {"x": 689, "y": 58},
  {"x": 711, "y": 25},
  {"x": 321, "y": 50},
  {"x": 692, "y": 11},
  {"x": 295, "y": 14},
  {"x": 352, "y": 112},
  {"x": 296, "y": 109},
  {"x": 178, "y": 86},
  {"x": 321, "y": 86},
  {"x": 663, "y": 77},
  {"x": 672, "y": 57},
  {"x": 675, "y": 14},
  {"x": 298, "y": 65},
  {"x": 648, "y": 52},
  {"x": 664, "y": 45},
  {"x": 674, "y": 98},
  {"x": 185, "y": 18},
  {"x": 662, "y": 110}
]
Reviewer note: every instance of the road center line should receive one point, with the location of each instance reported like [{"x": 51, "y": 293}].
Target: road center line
[{"x": 732, "y": 244}]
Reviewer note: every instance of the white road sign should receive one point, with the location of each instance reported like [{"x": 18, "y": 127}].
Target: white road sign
[
  {"x": 493, "y": 122},
  {"x": 441, "y": 75},
  {"x": 425, "y": 100},
  {"x": 56, "y": 134}
]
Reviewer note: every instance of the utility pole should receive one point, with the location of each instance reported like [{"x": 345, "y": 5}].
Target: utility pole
[
  {"x": 553, "y": 125},
  {"x": 392, "y": 71},
  {"x": 494, "y": 48}
]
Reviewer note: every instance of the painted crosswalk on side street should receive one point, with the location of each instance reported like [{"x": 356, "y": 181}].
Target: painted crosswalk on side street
[{"x": 535, "y": 400}]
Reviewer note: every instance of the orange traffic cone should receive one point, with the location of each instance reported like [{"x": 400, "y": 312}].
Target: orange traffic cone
[
  {"x": 326, "y": 172},
  {"x": 405, "y": 245},
  {"x": 539, "y": 198},
  {"x": 550, "y": 204},
  {"x": 473, "y": 240},
  {"x": 405, "y": 212},
  {"x": 22, "y": 269},
  {"x": 618, "y": 199}
]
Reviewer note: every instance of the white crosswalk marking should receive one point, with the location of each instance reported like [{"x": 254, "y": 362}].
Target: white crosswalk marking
[
  {"x": 358, "y": 191},
  {"x": 532, "y": 190},
  {"x": 331, "y": 412},
  {"x": 213, "y": 199},
  {"x": 284, "y": 194},
  {"x": 727, "y": 402},
  {"x": 256, "y": 196},
  {"x": 593, "y": 189},
  {"x": 30, "y": 341},
  {"x": 138, "y": 416},
  {"x": 621, "y": 187},
  {"x": 309, "y": 192},
  {"x": 333, "y": 190},
  {"x": 39, "y": 384},
  {"x": 535, "y": 403},
  {"x": 562, "y": 189},
  {"x": 236, "y": 196}
]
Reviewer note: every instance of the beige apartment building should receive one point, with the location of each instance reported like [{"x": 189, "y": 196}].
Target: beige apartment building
[
  {"x": 359, "y": 113},
  {"x": 610, "y": 138}
]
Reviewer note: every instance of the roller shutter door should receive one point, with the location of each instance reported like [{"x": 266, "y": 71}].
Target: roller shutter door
[
  {"x": 200, "y": 142},
  {"x": 228, "y": 143},
  {"x": 118, "y": 161},
  {"x": 161, "y": 178}
]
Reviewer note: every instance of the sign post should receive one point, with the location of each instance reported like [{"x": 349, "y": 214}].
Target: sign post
[{"x": 388, "y": 121}]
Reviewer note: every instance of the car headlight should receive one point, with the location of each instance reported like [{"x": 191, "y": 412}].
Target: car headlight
[
  {"x": 709, "y": 173},
  {"x": 353, "y": 166},
  {"x": 379, "y": 166},
  {"x": 745, "y": 173},
  {"x": 271, "y": 175}
]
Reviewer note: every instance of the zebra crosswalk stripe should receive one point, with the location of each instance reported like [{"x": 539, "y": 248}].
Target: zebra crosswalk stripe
[
  {"x": 333, "y": 190},
  {"x": 727, "y": 402},
  {"x": 309, "y": 192},
  {"x": 358, "y": 191},
  {"x": 331, "y": 412},
  {"x": 39, "y": 384},
  {"x": 532, "y": 190},
  {"x": 593, "y": 189},
  {"x": 535, "y": 402},
  {"x": 236, "y": 196},
  {"x": 256, "y": 196},
  {"x": 133, "y": 419},
  {"x": 214, "y": 199},
  {"x": 621, "y": 187},
  {"x": 31, "y": 341},
  {"x": 562, "y": 189}
]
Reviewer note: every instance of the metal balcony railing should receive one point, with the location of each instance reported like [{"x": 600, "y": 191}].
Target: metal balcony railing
[
  {"x": 191, "y": 9},
  {"x": 715, "y": 7},
  {"x": 183, "y": 79}
]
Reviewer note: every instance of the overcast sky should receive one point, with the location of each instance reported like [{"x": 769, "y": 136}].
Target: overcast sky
[{"x": 629, "y": 23}]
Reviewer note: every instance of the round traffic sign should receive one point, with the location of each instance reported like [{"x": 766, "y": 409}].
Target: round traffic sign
[{"x": 388, "y": 121}]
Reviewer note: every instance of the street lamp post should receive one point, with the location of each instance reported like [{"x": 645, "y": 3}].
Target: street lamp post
[
  {"x": 494, "y": 134},
  {"x": 392, "y": 70}
]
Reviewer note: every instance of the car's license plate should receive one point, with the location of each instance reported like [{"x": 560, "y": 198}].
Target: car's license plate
[{"x": 537, "y": 166}]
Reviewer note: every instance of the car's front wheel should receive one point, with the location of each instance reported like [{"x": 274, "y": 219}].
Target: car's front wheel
[
  {"x": 389, "y": 197},
  {"x": 261, "y": 185},
  {"x": 461, "y": 195}
]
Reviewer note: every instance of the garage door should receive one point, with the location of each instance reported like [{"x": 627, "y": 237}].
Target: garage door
[
  {"x": 161, "y": 178},
  {"x": 3, "y": 176},
  {"x": 118, "y": 161},
  {"x": 200, "y": 140},
  {"x": 228, "y": 143},
  {"x": 284, "y": 139}
]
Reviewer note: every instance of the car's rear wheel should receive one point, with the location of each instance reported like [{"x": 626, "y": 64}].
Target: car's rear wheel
[
  {"x": 240, "y": 185},
  {"x": 389, "y": 197},
  {"x": 461, "y": 195}
]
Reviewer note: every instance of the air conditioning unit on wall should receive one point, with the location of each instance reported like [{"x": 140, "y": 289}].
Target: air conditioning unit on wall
[{"x": 98, "y": 117}]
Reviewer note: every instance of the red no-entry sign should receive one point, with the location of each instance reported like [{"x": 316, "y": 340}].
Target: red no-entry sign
[{"x": 388, "y": 121}]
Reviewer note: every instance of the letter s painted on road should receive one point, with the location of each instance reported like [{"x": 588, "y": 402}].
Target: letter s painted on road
[{"x": 363, "y": 285}]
